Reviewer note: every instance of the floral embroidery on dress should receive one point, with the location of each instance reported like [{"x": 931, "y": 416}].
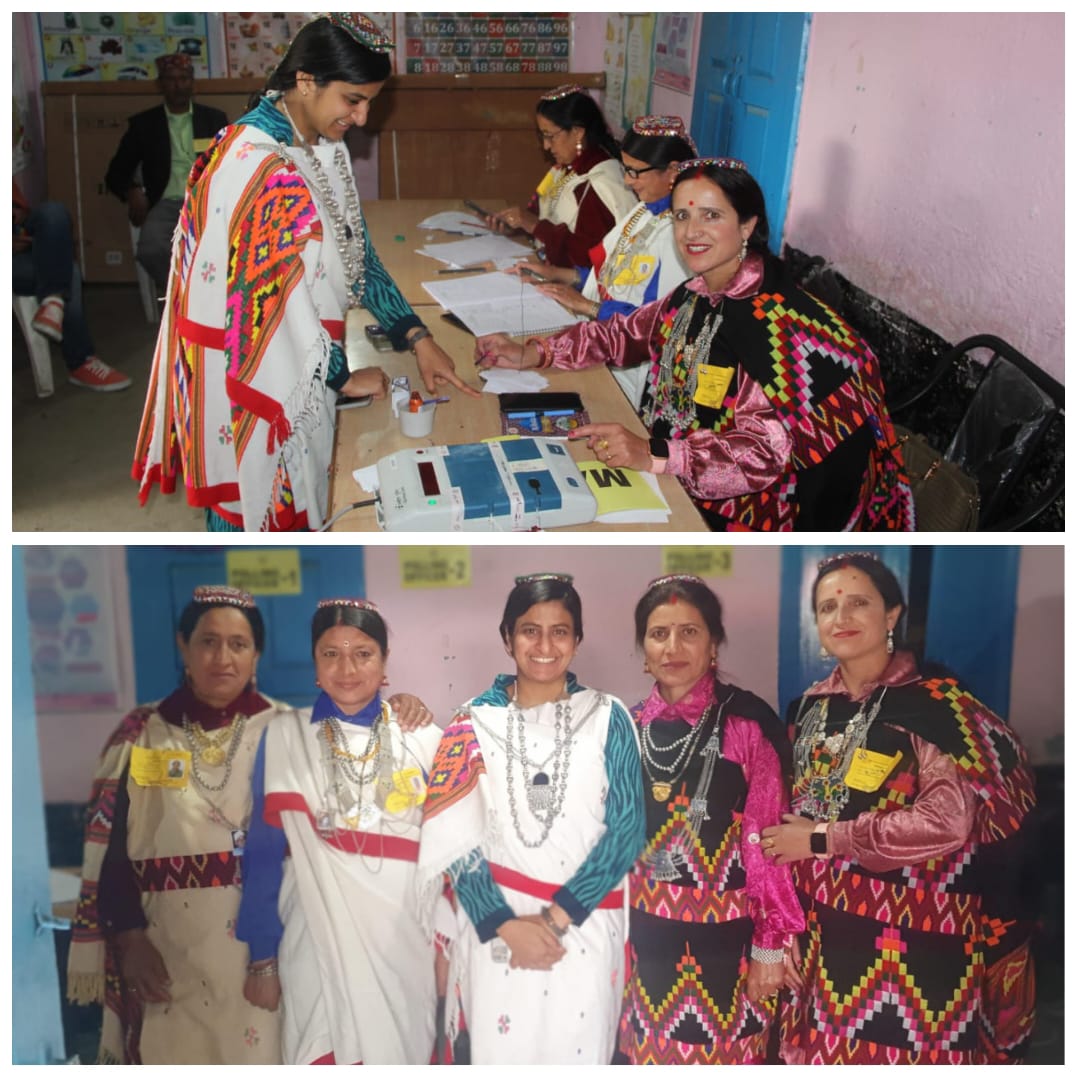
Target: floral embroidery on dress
[
  {"x": 209, "y": 271},
  {"x": 251, "y": 1036},
  {"x": 224, "y": 435},
  {"x": 504, "y": 1024}
]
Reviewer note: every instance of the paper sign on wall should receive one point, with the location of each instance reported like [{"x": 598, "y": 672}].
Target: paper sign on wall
[
  {"x": 273, "y": 572},
  {"x": 435, "y": 567},
  {"x": 706, "y": 562}
]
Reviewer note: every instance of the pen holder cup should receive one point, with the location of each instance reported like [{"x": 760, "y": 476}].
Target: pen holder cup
[{"x": 415, "y": 425}]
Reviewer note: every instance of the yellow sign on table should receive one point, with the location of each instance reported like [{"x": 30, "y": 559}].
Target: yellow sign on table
[
  {"x": 442, "y": 567},
  {"x": 270, "y": 572},
  {"x": 713, "y": 561},
  {"x": 618, "y": 490}
]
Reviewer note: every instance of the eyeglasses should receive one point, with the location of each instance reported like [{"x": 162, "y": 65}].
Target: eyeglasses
[
  {"x": 635, "y": 173},
  {"x": 547, "y": 136}
]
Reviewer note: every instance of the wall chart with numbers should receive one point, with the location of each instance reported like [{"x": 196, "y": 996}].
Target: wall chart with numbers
[{"x": 501, "y": 44}]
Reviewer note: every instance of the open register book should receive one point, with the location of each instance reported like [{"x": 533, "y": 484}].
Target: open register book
[{"x": 500, "y": 303}]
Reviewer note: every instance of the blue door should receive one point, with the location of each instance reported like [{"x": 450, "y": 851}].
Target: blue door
[
  {"x": 161, "y": 582},
  {"x": 747, "y": 96},
  {"x": 37, "y": 1036},
  {"x": 961, "y": 613}
]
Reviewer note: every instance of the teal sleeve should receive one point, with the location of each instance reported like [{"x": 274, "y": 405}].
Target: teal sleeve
[
  {"x": 337, "y": 374},
  {"x": 624, "y": 821},
  {"x": 383, "y": 298},
  {"x": 478, "y": 894}
]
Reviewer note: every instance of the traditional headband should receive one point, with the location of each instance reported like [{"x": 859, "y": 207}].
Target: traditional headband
[
  {"x": 657, "y": 127},
  {"x": 669, "y": 579},
  {"x": 562, "y": 91},
  {"x": 361, "y": 29},
  {"x": 717, "y": 162},
  {"x": 528, "y": 579},
  {"x": 173, "y": 62},
  {"x": 222, "y": 594},
  {"x": 360, "y": 605},
  {"x": 846, "y": 556}
]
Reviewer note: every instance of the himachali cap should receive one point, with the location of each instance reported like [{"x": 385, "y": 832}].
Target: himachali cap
[
  {"x": 528, "y": 579},
  {"x": 361, "y": 29},
  {"x": 173, "y": 64},
  {"x": 719, "y": 162},
  {"x": 352, "y": 602},
  {"x": 227, "y": 595},
  {"x": 660, "y": 126},
  {"x": 562, "y": 91},
  {"x": 670, "y": 579}
]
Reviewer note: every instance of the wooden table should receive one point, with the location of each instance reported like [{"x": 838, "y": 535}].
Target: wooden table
[
  {"x": 393, "y": 225},
  {"x": 366, "y": 435}
]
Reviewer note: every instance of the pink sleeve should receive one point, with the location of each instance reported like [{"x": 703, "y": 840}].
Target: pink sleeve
[
  {"x": 749, "y": 456},
  {"x": 774, "y": 904},
  {"x": 619, "y": 341},
  {"x": 937, "y": 823}
]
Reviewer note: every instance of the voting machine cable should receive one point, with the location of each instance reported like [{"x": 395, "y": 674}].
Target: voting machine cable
[{"x": 345, "y": 510}]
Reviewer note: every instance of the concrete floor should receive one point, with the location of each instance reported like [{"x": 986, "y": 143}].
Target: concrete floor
[{"x": 72, "y": 452}]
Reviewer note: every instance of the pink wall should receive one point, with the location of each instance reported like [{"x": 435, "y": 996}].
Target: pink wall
[{"x": 930, "y": 169}]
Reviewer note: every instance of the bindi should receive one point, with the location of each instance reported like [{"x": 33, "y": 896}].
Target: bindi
[{"x": 691, "y": 202}]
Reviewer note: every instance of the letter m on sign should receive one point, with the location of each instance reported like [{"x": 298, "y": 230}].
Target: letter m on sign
[{"x": 604, "y": 478}]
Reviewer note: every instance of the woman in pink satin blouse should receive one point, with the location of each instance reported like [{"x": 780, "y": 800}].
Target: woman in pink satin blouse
[
  {"x": 911, "y": 803},
  {"x": 710, "y": 917},
  {"x": 768, "y": 408}
]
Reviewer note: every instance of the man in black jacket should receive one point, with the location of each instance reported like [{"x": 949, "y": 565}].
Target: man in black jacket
[{"x": 162, "y": 142}]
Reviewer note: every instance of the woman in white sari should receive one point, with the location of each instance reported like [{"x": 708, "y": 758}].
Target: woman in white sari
[
  {"x": 331, "y": 857},
  {"x": 534, "y": 811}
]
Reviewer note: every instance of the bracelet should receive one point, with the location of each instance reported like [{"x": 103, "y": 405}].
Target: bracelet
[
  {"x": 819, "y": 839},
  {"x": 767, "y": 956},
  {"x": 546, "y": 357},
  {"x": 551, "y": 924},
  {"x": 411, "y": 342},
  {"x": 595, "y": 312},
  {"x": 266, "y": 969}
]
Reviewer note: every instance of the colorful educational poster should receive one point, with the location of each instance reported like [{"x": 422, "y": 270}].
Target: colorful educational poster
[
  {"x": 73, "y": 647},
  {"x": 637, "y": 88},
  {"x": 94, "y": 46},
  {"x": 256, "y": 42},
  {"x": 673, "y": 50},
  {"x": 615, "y": 31},
  {"x": 486, "y": 44}
]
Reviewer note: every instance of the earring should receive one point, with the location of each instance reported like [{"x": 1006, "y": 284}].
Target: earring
[
  {"x": 318, "y": 684},
  {"x": 824, "y": 653},
  {"x": 579, "y": 147},
  {"x": 890, "y": 643},
  {"x": 385, "y": 681},
  {"x": 744, "y": 249}
]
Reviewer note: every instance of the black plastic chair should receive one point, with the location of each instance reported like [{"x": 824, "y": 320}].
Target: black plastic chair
[{"x": 997, "y": 441}]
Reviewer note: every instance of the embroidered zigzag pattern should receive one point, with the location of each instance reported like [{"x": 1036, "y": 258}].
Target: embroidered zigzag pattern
[
  {"x": 713, "y": 871},
  {"x": 457, "y": 766},
  {"x": 204, "y": 871},
  {"x": 683, "y": 903}
]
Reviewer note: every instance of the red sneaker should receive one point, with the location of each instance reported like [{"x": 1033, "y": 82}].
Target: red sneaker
[
  {"x": 49, "y": 318},
  {"x": 95, "y": 374}
]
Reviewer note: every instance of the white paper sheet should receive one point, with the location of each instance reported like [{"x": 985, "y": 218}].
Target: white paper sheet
[
  {"x": 496, "y": 303},
  {"x": 498, "y": 249},
  {"x": 456, "y": 221},
  {"x": 506, "y": 381}
]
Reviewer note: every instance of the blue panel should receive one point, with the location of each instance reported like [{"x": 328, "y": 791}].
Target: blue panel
[
  {"x": 521, "y": 450},
  {"x": 472, "y": 469},
  {"x": 971, "y": 617},
  {"x": 37, "y": 1036},
  {"x": 549, "y": 497}
]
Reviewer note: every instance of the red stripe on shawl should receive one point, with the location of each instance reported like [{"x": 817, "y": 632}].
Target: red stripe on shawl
[
  {"x": 355, "y": 843},
  {"x": 213, "y": 337},
  {"x": 544, "y": 890}
]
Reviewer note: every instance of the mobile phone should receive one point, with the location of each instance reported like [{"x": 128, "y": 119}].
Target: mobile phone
[
  {"x": 344, "y": 402},
  {"x": 378, "y": 337},
  {"x": 543, "y": 403}
]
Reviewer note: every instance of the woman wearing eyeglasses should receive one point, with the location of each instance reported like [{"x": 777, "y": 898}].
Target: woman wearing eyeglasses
[{"x": 582, "y": 195}]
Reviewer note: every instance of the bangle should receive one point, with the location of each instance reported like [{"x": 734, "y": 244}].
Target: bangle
[
  {"x": 595, "y": 312},
  {"x": 767, "y": 956},
  {"x": 551, "y": 924},
  {"x": 546, "y": 357},
  {"x": 266, "y": 969},
  {"x": 411, "y": 342}
]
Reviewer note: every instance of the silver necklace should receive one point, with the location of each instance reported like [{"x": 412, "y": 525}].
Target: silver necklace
[
  {"x": 348, "y": 227},
  {"x": 234, "y": 745},
  {"x": 683, "y": 747},
  {"x": 544, "y": 794},
  {"x": 345, "y": 783},
  {"x": 823, "y": 795},
  {"x": 676, "y": 404}
]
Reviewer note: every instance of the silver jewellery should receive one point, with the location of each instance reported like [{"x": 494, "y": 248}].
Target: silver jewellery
[
  {"x": 628, "y": 240},
  {"x": 676, "y": 405},
  {"x": 767, "y": 956},
  {"x": 890, "y": 642},
  {"x": 683, "y": 747},
  {"x": 348, "y": 227},
  {"x": 346, "y": 782},
  {"x": 822, "y": 796},
  {"x": 208, "y": 749}
]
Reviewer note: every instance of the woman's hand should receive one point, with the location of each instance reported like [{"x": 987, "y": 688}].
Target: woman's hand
[
  {"x": 789, "y": 842},
  {"x": 569, "y": 297},
  {"x": 437, "y": 368},
  {"x": 513, "y": 219},
  {"x": 142, "y": 970},
  {"x": 367, "y": 382},
  {"x": 411, "y": 712},
  {"x": 614, "y": 445},
  {"x": 531, "y": 269},
  {"x": 499, "y": 350},
  {"x": 263, "y": 991},
  {"x": 793, "y": 979},
  {"x": 763, "y": 981},
  {"x": 532, "y": 945}
]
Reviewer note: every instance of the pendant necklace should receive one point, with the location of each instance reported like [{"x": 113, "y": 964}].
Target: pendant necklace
[{"x": 210, "y": 750}]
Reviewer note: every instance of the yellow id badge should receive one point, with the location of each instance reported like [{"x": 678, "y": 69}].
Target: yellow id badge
[
  {"x": 199, "y": 145},
  {"x": 712, "y": 385},
  {"x": 868, "y": 769},
  {"x": 160, "y": 768}
]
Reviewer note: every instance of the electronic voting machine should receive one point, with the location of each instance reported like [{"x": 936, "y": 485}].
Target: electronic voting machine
[{"x": 501, "y": 486}]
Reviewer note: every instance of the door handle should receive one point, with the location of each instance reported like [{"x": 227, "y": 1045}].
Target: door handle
[
  {"x": 47, "y": 921},
  {"x": 725, "y": 84}
]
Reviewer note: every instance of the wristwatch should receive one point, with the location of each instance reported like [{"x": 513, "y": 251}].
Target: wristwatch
[
  {"x": 819, "y": 840},
  {"x": 658, "y": 447}
]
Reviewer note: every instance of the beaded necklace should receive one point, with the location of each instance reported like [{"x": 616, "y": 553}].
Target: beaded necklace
[
  {"x": 345, "y": 782},
  {"x": 661, "y": 785},
  {"x": 208, "y": 749},
  {"x": 628, "y": 240},
  {"x": 347, "y": 226}
]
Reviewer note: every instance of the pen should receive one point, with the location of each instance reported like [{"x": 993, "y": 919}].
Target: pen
[
  {"x": 477, "y": 209},
  {"x": 435, "y": 401},
  {"x": 475, "y": 223},
  {"x": 532, "y": 273},
  {"x": 462, "y": 269}
]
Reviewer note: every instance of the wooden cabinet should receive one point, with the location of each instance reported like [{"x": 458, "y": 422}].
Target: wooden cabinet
[{"x": 438, "y": 136}]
